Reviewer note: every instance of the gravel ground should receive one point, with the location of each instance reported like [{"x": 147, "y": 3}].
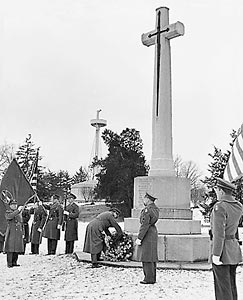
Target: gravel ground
[{"x": 63, "y": 277}]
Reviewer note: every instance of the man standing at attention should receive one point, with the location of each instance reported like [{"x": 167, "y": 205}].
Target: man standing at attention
[
  {"x": 38, "y": 223},
  {"x": 148, "y": 239},
  {"x": 71, "y": 214},
  {"x": 53, "y": 224},
  {"x": 226, "y": 252}
]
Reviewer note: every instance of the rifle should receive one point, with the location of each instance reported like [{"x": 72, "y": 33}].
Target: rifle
[{"x": 65, "y": 216}]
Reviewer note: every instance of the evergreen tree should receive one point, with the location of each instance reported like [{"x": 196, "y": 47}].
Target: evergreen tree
[
  {"x": 80, "y": 176},
  {"x": 26, "y": 154},
  {"x": 124, "y": 162}
]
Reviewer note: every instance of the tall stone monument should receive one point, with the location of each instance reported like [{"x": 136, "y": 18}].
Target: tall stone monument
[{"x": 180, "y": 237}]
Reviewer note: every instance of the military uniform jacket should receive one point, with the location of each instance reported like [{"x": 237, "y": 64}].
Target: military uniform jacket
[
  {"x": 71, "y": 228},
  {"x": 224, "y": 224},
  {"x": 94, "y": 237},
  {"x": 14, "y": 234},
  {"x": 26, "y": 218},
  {"x": 148, "y": 234},
  {"x": 54, "y": 219},
  {"x": 39, "y": 220}
]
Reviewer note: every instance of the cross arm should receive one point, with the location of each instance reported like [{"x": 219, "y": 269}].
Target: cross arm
[{"x": 170, "y": 31}]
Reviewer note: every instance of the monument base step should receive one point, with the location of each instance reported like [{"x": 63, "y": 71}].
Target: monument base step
[
  {"x": 180, "y": 248},
  {"x": 166, "y": 226}
]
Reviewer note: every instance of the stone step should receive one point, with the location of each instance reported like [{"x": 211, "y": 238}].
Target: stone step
[
  {"x": 180, "y": 248},
  {"x": 166, "y": 226}
]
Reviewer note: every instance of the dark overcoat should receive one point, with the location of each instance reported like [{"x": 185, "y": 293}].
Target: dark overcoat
[
  {"x": 26, "y": 228},
  {"x": 71, "y": 228},
  {"x": 54, "y": 219},
  {"x": 224, "y": 223},
  {"x": 39, "y": 220},
  {"x": 94, "y": 236},
  {"x": 14, "y": 234},
  {"x": 147, "y": 251}
]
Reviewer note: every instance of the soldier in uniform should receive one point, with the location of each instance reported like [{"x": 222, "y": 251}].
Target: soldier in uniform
[
  {"x": 38, "y": 223},
  {"x": 148, "y": 239},
  {"x": 14, "y": 243},
  {"x": 53, "y": 224},
  {"x": 71, "y": 214},
  {"x": 26, "y": 229},
  {"x": 94, "y": 238},
  {"x": 225, "y": 250}
]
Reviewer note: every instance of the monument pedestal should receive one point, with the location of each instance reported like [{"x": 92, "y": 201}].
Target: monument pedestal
[{"x": 180, "y": 237}]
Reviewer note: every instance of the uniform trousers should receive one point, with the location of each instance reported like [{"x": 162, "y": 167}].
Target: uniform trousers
[
  {"x": 51, "y": 246},
  {"x": 225, "y": 282},
  {"x": 95, "y": 258},
  {"x": 12, "y": 258},
  {"x": 69, "y": 247},
  {"x": 35, "y": 248},
  {"x": 149, "y": 270}
]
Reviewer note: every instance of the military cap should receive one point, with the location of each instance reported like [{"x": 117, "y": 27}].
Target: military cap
[
  {"x": 13, "y": 201},
  {"x": 116, "y": 210},
  {"x": 150, "y": 197},
  {"x": 221, "y": 183},
  {"x": 71, "y": 195}
]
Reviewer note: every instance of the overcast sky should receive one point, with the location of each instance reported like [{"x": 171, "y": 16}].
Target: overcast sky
[{"x": 62, "y": 60}]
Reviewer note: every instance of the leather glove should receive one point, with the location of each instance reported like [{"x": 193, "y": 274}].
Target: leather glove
[
  {"x": 138, "y": 242},
  {"x": 216, "y": 260},
  {"x": 59, "y": 226},
  {"x": 66, "y": 212},
  {"x": 39, "y": 229}
]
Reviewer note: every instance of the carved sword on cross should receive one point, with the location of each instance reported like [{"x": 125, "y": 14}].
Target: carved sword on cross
[{"x": 160, "y": 37}]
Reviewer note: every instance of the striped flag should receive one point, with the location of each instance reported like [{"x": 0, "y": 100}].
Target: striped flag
[
  {"x": 234, "y": 167},
  {"x": 32, "y": 176}
]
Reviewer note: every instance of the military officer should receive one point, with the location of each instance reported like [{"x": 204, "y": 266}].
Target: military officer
[
  {"x": 225, "y": 251},
  {"x": 71, "y": 214},
  {"x": 94, "y": 239},
  {"x": 14, "y": 243},
  {"x": 148, "y": 239},
  {"x": 38, "y": 223},
  {"x": 26, "y": 228},
  {"x": 53, "y": 224}
]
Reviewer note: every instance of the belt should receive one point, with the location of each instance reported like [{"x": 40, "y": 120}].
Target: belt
[{"x": 227, "y": 237}]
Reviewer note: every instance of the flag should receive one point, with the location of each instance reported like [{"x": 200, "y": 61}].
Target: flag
[
  {"x": 32, "y": 176},
  {"x": 15, "y": 184},
  {"x": 234, "y": 167}
]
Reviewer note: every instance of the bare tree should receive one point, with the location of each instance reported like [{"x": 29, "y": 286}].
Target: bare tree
[{"x": 6, "y": 156}]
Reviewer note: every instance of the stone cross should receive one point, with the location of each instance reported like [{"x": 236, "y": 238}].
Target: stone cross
[{"x": 162, "y": 158}]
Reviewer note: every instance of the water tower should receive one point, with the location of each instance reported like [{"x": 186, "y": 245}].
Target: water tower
[
  {"x": 84, "y": 190},
  {"x": 97, "y": 123}
]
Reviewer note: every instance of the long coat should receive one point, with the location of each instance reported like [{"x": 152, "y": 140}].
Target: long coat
[
  {"x": 54, "y": 219},
  {"x": 94, "y": 236},
  {"x": 26, "y": 228},
  {"x": 147, "y": 251},
  {"x": 14, "y": 234},
  {"x": 39, "y": 220},
  {"x": 224, "y": 223},
  {"x": 71, "y": 228}
]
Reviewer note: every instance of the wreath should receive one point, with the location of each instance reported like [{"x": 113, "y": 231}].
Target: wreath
[{"x": 118, "y": 250}]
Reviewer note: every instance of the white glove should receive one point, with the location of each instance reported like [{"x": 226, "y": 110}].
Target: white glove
[
  {"x": 59, "y": 226},
  {"x": 216, "y": 260},
  {"x": 138, "y": 242},
  {"x": 20, "y": 208},
  {"x": 66, "y": 212},
  {"x": 39, "y": 229}
]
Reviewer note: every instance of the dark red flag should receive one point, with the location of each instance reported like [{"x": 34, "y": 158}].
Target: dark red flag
[{"x": 16, "y": 184}]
